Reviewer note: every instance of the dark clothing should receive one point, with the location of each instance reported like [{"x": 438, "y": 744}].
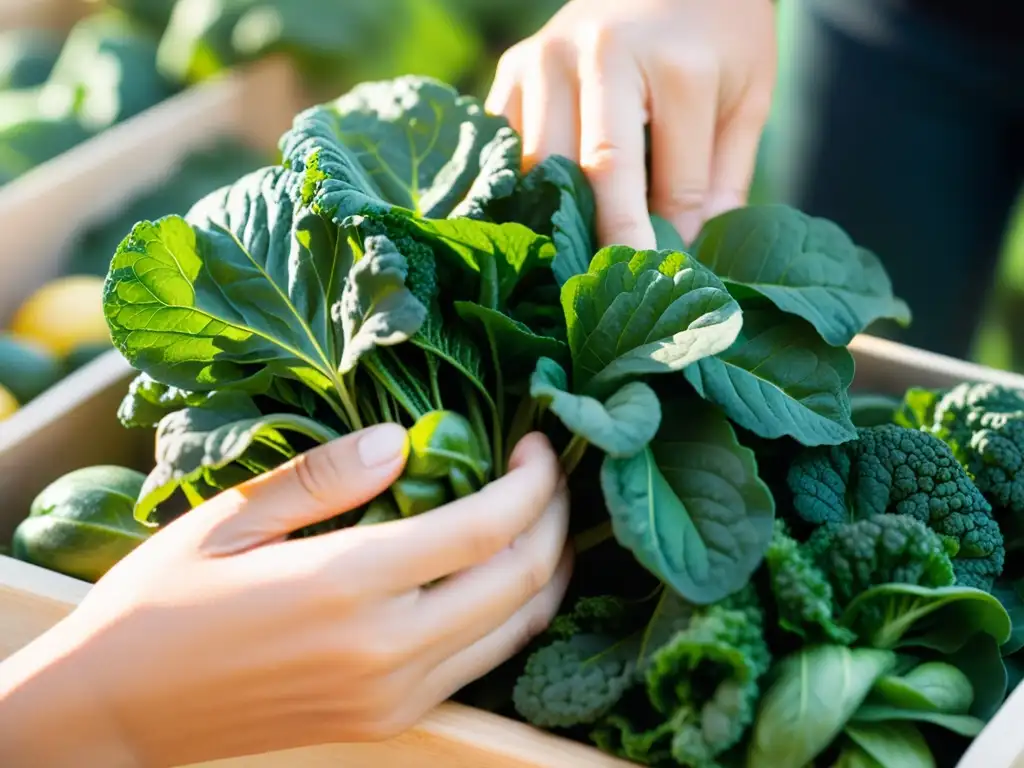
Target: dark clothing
[
  {"x": 985, "y": 19},
  {"x": 908, "y": 133}
]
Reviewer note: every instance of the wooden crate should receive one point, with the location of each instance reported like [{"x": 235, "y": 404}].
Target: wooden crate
[{"x": 453, "y": 736}]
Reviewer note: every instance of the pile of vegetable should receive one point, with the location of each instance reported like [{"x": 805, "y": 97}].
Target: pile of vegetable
[{"x": 770, "y": 572}]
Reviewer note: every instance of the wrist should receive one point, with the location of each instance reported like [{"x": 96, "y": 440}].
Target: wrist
[{"x": 46, "y": 689}]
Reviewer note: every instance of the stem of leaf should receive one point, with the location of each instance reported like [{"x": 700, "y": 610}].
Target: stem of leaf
[
  {"x": 499, "y": 400},
  {"x": 435, "y": 387},
  {"x": 573, "y": 454},
  {"x": 522, "y": 421},
  {"x": 592, "y": 537},
  {"x": 351, "y": 413}
]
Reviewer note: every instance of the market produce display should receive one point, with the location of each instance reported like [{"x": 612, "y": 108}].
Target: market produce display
[{"x": 771, "y": 572}]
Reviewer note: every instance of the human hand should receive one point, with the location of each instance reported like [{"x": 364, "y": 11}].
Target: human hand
[
  {"x": 218, "y": 637},
  {"x": 585, "y": 85}
]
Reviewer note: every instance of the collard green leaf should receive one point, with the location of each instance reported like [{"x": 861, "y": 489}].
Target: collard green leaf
[
  {"x": 892, "y": 744},
  {"x": 196, "y": 441},
  {"x": 244, "y": 285},
  {"x": 555, "y": 199},
  {"x": 814, "y": 693},
  {"x": 641, "y": 312},
  {"x": 691, "y": 506},
  {"x": 779, "y": 378},
  {"x": 517, "y": 347},
  {"x": 376, "y": 307},
  {"x": 621, "y": 426},
  {"x": 806, "y": 266},
  {"x": 411, "y": 142},
  {"x": 148, "y": 401}
]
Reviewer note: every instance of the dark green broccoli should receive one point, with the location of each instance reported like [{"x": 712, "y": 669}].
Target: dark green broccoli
[
  {"x": 891, "y": 469},
  {"x": 881, "y": 549},
  {"x": 805, "y": 604},
  {"x": 984, "y": 425}
]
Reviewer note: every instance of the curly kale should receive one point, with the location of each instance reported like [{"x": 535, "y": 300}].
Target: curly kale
[
  {"x": 984, "y": 425},
  {"x": 891, "y": 469},
  {"x": 805, "y": 604}
]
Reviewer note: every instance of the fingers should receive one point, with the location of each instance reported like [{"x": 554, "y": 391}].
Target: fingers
[
  {"x": 461, "y": 610},
  {"x": 612, "y": 106},
  {"x": 736, "y": 152},
  {"x": 500, "y": 645},
  {"x": 505, "y": 96},
  {"x": 314, "y": 486},
  {"x": 550, "y": 108},
  {"x": 684, "y": 97},
  {"x": 405, "y": 554}
]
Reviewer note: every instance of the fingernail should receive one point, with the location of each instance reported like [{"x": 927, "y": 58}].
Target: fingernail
[{"x": 382, "y": 444}]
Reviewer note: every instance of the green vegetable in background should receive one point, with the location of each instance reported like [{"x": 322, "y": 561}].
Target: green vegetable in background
[
  {"x": 83, "y": 523},
  {"x": 26, "y": 368},
  {"x": 26, "y": 57}
]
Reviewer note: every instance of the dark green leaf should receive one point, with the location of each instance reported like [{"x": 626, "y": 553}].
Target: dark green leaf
[
  {"x": 868, "y": 410},
  {"x": 892, "y": 744},
  {"x": 980, "y": 660},
  {"x": 806, "y": 266},
  {"x": 444, "y": 446},
  {"x": 621, "y": 426},
  {"x": 691, "y": 506},
  {"x": 964, "y": 725},
  {"x": 814, "y": 693},
  {"x": 412, "y": 142},
  {"x": 666, "y": 236},
  {"x": 780, "y": 378},
  {"x": 1010, "y": 596},
  {"x": 148, "y": 401},
  {"x": 517, "y": 347},
  {"x": 931, "y": 686},
  {"x": 376, "y": 307},
  {"x": 853, "y": 756},
  {"x": 641, "y": 312}
]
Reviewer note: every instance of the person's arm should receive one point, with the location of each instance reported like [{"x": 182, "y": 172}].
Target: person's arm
[
  {"x": 219, "y": 637},
  {"x": 701, "y": 72}
]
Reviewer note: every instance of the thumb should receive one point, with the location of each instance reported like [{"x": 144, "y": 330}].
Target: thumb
[{"x": 313, "y": 487}]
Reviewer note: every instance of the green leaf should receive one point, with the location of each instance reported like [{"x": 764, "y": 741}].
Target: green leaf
[
  {"x": 691, "y": 506},
  {"x": 444, "y": 446},
  {"x": 242, "y": 287},
  {"x": 641, "y": 312},
  {"x": 192, "y": 443},
  {"x": 555, "y": 199},
  {"x": 941, "y": 618},
  {"x": 964, "y": 725},
  {"x": 779, "y": 378},
  {"x": 806, "y": 266},
  {"x": 981, "y": 661},
  {"x": 666, "y": 235},
  {"x": 1009, "y": 595},
  {"x": 870, "y": 410},
  {"x": 853, "y": 756},
  {"x": 814, "y": 693},
  {"x": 517, "y": 347},
  {"x": 376, "y": 308},
  {"x": 931, "y": 686},
  {"x": 621, "y": 426},
  {"x": 450, "y": 344},
  {"x": 148, "y": 401},
  {"x": 917, "y": 409},
  {"x": 892, "y": 744},
  {"x": 411, "y": 142}
]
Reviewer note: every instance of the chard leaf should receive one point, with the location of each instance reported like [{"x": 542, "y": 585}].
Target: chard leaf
[
  {"x": 194, "y": 443},
  {"x": 555, "y": 199},
  {"x": 411, "y": 142},
  {"x": 779, "y": 378},
  {"x": 238, "y": 290},
  {"x": 622, "y": 426},
  {"x": 691, "y": 506},
  {"x": 517, "y": 347},
  {"x": 804, "y": 265},
  {"x": 148, "y": 401},
  {"x": 376, "y": 308},
  {"x": 641, "y": 312}
]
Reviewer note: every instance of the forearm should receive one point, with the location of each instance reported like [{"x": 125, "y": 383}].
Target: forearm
[{"x": 49, "y": 715}]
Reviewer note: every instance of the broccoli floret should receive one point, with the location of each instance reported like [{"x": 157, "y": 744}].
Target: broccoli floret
[
  {"x": 804, "y": 602},
  {"x": 891, "y": 469},
  {"x": 882, "y": 549},
  {"x": 984, "y": 425}
]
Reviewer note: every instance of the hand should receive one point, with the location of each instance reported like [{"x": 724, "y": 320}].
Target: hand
[
  {"x": 218, "y": 637},
  {"x": 585, "y": 85}
]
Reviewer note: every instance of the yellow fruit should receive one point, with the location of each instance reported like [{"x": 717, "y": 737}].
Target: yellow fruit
[
  {"x": 64, "y": 314},
  {"x": 8, "y": 405}
]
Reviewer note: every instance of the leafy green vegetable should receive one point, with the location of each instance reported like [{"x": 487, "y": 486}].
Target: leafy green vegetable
[
  {"x": 892, "y": 744},
  {"x": 27, "y": 57}
]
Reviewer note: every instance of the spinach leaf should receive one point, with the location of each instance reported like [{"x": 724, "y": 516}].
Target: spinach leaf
[
  {"x": 963, "y": 725},
  {"x": 941, "y": 618},
  {"x": 193, "y": 442},
  {"x": 814, "y": 694},
  {"x": 148, "y": 401},
  {"x": 981, "y": 661},
  {"x": 640, "y": 312},
  {"x": 931, "y": 686},
  {"x": 621, "y": 426},
  {"x": 892, "y": 744},
  {"x": 412, "y": 142},
  {"x": 666, "y": 235},
  {"x": 376, "y": 308},
  {"x": 780, "y": 379},
  {"x": 691, "y": 506},
  {"x": 853, "y": 756},
  {"x": 806, "y": 266}
]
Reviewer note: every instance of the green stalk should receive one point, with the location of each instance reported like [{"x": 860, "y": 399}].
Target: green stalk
[
  {"x": 476, "y": 418},
  {"x": 435, "y": 386},
  {"x": 351, "y": 412},
  {"x": 592, "y": 537},
  {"x": 573, "y": 454},
  {"x": 383, "y": 401},
  {"x": 497, "y": 449},
  {"x": 523, "y": 421}
]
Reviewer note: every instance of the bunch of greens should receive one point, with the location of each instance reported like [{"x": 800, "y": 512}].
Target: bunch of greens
[{"x": 760, "y": 582}]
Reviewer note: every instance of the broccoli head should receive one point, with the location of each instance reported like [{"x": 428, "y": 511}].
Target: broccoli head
[
  {"x": 804, "y": 601},
  {"x": 891, "y": 469},
  {"x": 984, "y": 425}
]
